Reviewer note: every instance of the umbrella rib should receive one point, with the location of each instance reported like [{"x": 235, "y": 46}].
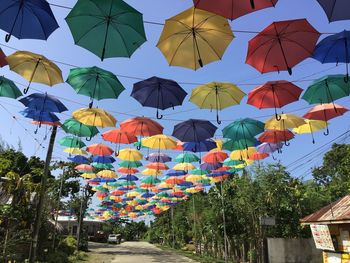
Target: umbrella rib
[
  {"x": 35, "y": 15},
  {"x": 178, "y": 47},
  {"x": 267, "y": 54},
  {"x": 209, "y": 45},
  {"x": 123, "y": 40},
  {"x": 88, "y": 31}
]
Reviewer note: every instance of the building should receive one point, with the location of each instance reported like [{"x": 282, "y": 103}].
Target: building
[{"x": 70, "y": 225}]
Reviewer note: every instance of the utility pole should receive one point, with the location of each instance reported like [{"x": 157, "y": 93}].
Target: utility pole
[
  {"x": 80, "y": 221},
  {"x": 40, "y": 207}
]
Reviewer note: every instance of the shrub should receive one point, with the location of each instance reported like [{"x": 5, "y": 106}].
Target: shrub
[
  {"x": 68, "y": 245},
  {"x": 57, "y": 257}
]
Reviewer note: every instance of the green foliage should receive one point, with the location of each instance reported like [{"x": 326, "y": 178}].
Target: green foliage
[
  {"x": 68, "y": 245},
  {"x": 131, "y": 231}
]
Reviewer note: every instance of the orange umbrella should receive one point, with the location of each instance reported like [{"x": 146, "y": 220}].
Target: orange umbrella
[
  {"x": 56, "y": 123},
  {"x": 141, "y": 126},
  {"x": 179, "y": 146},
  {"x": 99, "y": 149},
  {"x": 84, "y": 167},
  {"x": 258, "y": 156},
  {"x": 157, "y": 166},
  {"x": 215, "y": 157},
  {"x": 173, "y": 180},
  {"x": 125, "y": 170},
  {"x": 119, "y": 136}
]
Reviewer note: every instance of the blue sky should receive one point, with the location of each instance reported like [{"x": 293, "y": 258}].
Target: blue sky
[{"x": 148, "y": 61}]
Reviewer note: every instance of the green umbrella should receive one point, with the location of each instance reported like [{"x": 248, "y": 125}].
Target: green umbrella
[
  {"x": 9, "y": 89},
  {"x": 71, "y": 142},
  {"x": 232, "y": 145},
  {"x": 76, "y": 128},
  {"x": 150, "y": 180},
  {"x": 163, "y": 194},
  {"x": 327, "y": 90},
  {"x": 187, "y": 158},
  {"x": 139, "y": 145},
  {"x": 243, "y": 129},
  {"x": 105, "y": 166},
  {"x": 106, "y": 28},
  {"x": 95, "y": 83},
  {"x": 230, "y": 162},
  {"x": 130, "y": 164},
  {"x": 199, "y": 172}
]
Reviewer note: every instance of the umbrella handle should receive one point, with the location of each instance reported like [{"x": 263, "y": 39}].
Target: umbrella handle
[
  {"x": 286, "y": 143},
  {"x": 290, "y": 71},
  {"x": 217, "y": 119},
  {"x": 117, "y": 153},
  {"x": 200, "y": 62},
  {"x": 25, "y": 91},
  {"x": 346, "y": 78},
  {"x": 273, "y": 157},
  {"x": 90, "y": 104},
  {"x": 89, "y": 139},
  {"x": 327, "y": 132},
  {"x": 138, "y": 147},
  {"x": 36, "y": 130},
  {"x": 159, "y": 117},
  {"x": 252, "y": 4},
  {"x": 7, "y": 37},
  {"x": 278, "y": 117}
]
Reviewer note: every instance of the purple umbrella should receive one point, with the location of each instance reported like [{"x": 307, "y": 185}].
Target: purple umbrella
[
  {"x": 129, "y": 177},
  {"x": 336, "y": 9},
  {"x": 158, "y": 158},
  {"x": 210, "y": 166},
  {"x": 269, "y": 147},
  {"x": 158, "y": 93},
  {"x": 194, "y": 130}
]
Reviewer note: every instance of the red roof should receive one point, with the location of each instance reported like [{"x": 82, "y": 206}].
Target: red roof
[{"x": 336, "y": 212}]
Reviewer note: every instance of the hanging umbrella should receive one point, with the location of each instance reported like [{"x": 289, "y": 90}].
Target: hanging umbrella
[
  {"x": 275, "y": 136},
  {"x": 50, "y": 123},
  {"x": 174, "y": 180},
  {"x": 103, "y": 159},
  {"x": 243, "y": 154},
  {"x": 216, "y": 95},
  {"x": 71, "y": 142},
  {"x": 178, "y": 172},
  {"x": 334, "y": 49},
  {"x": 104, "y": 166},
  {"x": 203, "y": 146},
  {"x": 130, "y": 155},
  {"x": 129, "y": 177},
  {"x": 124, "y": 170},
  {"x": 43, "y": 102},
  {"x": 94, "y": 117},
  {"x": 106, "y": 28},
  {"x": 79, "y": 159},
  {"x": 311, "y": 126},
  {"x": 3, "y": 61},
  {"x": 9, "y": 89},
  {"x": 130, "y": 164},
  {"x": 210, "y": 166},
  {"x": 183, "y": 167},
  {"x": 106, "y": 174},
  {"x": 258, "y": 156},
  {"x": 190, "y": 39},
  {"x": 232, "y": 9},
  {"x": 158, "y": 158},
  {"x": 230, "y": 162},
  {"x": 282, "y": 45},
  {"x": 76, "y": 128},
  {"x": 29, "y": 19},
  {"x": 99, "y": 149},
  {"x": 119, "y": 137},
  {"x": 243, "y": 129},
  {"x": 288, "y": 121},
  {"x": 269, "y": 148},
  {"x": 274, "y": 94},
  {"x": 151, "y": 172},
  {"x": 157, "y": 166},
  {"x": 231, "y": 145},
  {"x": 187, "y": 158},
  {"x": 84, "y": 167},
  {"x": 35, "y": 68},
  {"x": 159, "y": 141},
  {"x": 158, "y": 93},
  {"x": 75, "y": 151},
  {"x": 194, "y": 130},
  {"x": 39, "y": 116},
  {"x": 215, "y": 156},
  {"x": 335, "y": 9},
  {"x": 95, "y": 83}
]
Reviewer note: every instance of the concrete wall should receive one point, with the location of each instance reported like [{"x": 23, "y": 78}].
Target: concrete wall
[{"x": 282, "y": 250}]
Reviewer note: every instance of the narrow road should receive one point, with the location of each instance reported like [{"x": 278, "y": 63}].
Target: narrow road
[{"x": 132, "y": 252}]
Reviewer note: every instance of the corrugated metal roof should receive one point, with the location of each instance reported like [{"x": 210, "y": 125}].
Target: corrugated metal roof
[{"x": 336, "y": 212}]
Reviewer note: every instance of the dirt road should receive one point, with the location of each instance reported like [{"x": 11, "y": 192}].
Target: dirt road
[{"x": 132, "y": 252}]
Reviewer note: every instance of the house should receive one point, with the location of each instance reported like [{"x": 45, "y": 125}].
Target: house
[{"x": 70, "y": 225}]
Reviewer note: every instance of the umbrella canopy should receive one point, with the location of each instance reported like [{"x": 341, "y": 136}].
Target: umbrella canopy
[
  {"x": 3, "y": 61},
  {"x": 79, "y": 159},
  {"x": 129, "y": 177},
  {"x": 335, "y": 9},
  {"x": 287, "y": 121},
  {"x": 282, "y": 45},
  {"x": 76, "y": 128},
  {"x": 158, "y": 158},
  {"x": 106, "y": 28},
  {"x": 216, "y": 95},
  {"x": 311, "y": 126},
  {"x": 105, "y": 166},
  {"x": 230, "y": 162},
  {"x": 243, "y": 154},
  {"x": 43, "y": 102},
  {"x": 187, "y": 158},
  {"x": 9, "y": 89},
  {"x": 71, "y": 142},
  {"x": 130, "y": 164},
  {"x": 210, "y": 166},
  {"x": 39, "y": 116},
  {"x": 334, "y": 49},
  {"x": 158, "y": 93},
  {"x": 141, "y": 126},
  {"x": 233, "y": 9},
  {"x": 84, "y": 167},
  {"x": 215, "y": 156},
  {"x": 94, "y": 117},
  {"x": 35, "y": 68},
  {"x": 231, "y": 145},
  {"x": 183, "y": 167},
  {"x": 75, "y": 151},
  {"x": 30, "y": 19},
  {"x": 99, "y": 149},
  {"x": 130, "y": 155},
  {"x": 151, "y": 172},
  {"x": 159, "y": 141},
  {"x": 106, "y": 174},
  {"x": 274, "y": 94},
  {"x": 50, "y": 123},
  {"x": 269, "y": 147},
  {"x": 95, "y": 83},
  {"x": 258, "y": 156},
  {"x": 275, "y": 136},
  {"x": 325, "y": 112},
  {"x": 190, "y": 39},
  {"x": 203, "y": 146},
  {"x": 194, "y": 130},
  {"x": 124, "y": 170},
  {"x": 119, "y": 136},
  {"x": 243, "y": 129},
  {"x": 157, "y": 166},
  {"x": 174, "y": 180},
  {"x": 327, "y": 89},
  {"x": 103, "y": 159}
]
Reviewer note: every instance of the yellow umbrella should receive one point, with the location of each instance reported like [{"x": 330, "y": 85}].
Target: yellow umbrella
[
  {"x": 75, "y": 151},
  {"x": 184, "y": 167},
  {"x": 107, "y": 174},
  {"x": 132, "y": 194},
  {"x": 94, "y": 117},
  {"x": 129, "y": 154},
  {"x": 159, "y": 141},
  {"x": 35, "y": 68},
  {"x": 311, "y": 126},
  {"x": 88, "y": 176},
  {"x": 194, "y": 38},
  {"x": 219, "y": 144},
  {"x": 151, "y": 172},
  {"x": 164, "y": 185},
  {"x": 287, "y": 121},
  {"x": 192, "y": 190},
  {"x": 242, "y": 154},
  {"x": 193, "y": 178},
  {"x": 217, "y": 95}
]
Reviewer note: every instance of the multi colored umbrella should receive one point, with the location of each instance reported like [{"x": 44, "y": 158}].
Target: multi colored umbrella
[
  {"x": 194, "y": 130},
  {"x": 106, "y": 28},
  {"x": 94, "y": 117},
  {"x": 189, "y": 39},
  {"x": 76, "y": 128},
  {"x": 99, "y": 149},
  {"x": 282, "y": 45},
  {"x": 158, "y": 93},
  {"x": 9, "y": 89},
  {"x": 311, "y": 126},
  {"x": 233, "y": 9},
  {"x": 335, "y": 9},
  {"x": 274, "y": 94},
  {"x": 216, "y": 95},
  {"x": 35, "y": 68},
  {"x": 95, "y": 83},
  {"x": 334, "y": 49},
  {"x": 29, "y": 19}
]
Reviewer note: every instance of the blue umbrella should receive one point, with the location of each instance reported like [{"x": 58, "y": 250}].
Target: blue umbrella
[
  {"x": 147, "y": 195},
  {"x": 79, "y": 159},
  {"x": 210, "y": 166},
  {"x": 43, "y": 102},
  {"x": 175, "y": 173},
  {"x": 334, "y": 49},
  {"x": 103, "y": 159},
  {"x": 158, "y": 93},
  {"x": 40, "y": 116},
  {"x": 129, "y": 177},
  {"x": 336, "y": 9},
  {"x": 203, "y": 146},
  {"x": 27, "y": 19},
  {"x": 194, "y": 130},
  {"x": 186, "y": 184}
]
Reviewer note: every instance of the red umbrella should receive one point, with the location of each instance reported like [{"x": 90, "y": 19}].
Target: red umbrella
[
  {"x": 118, "y": 136},
  {"x": 99, "y": 149},
  {"x": 282, "y": 45},
  {"x": 179, "y": 146},
  {"x": 157, "y": 166},
  {"x": 215, "y": 157},
  {"x": 117, "y": 192},
  {"x": 325, "y": 112},
  {"x": 173, "y": 180},
  {"x": 84, "y": 167},
  {"x": 258, "y": 156},
  {"x": 3, "y": 61},
  {"x": 274, "y": 94},
  {"x": 233, "y": 9},
  {"x": 125, "y": 170},
  {"x": 275, "y": 136}
]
